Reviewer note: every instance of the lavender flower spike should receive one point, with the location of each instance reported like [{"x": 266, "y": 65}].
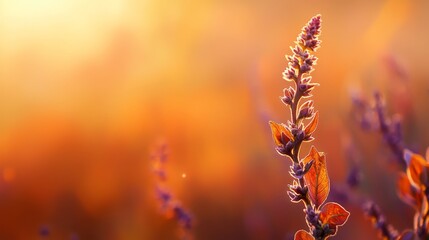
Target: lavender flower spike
[
  {"x": 311, "y": 183},
  {"x": 391, "y": 130},
  {"x": 310, "y": 33},
  {"x": 386, "y": 230},
  {"x": 168, "y": 203}
]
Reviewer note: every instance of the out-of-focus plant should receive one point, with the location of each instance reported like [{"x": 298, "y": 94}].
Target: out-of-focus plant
[
  {"x": 412, "y": 184},
  {"x": 373, "y": 117},
  {"x": 311, "y": 182},
  {"x": 413, "y": 189},
  {"x": 168, "y": 204}
]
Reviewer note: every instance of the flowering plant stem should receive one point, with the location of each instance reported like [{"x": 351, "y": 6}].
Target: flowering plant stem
[{"x": 311, "y": 182}]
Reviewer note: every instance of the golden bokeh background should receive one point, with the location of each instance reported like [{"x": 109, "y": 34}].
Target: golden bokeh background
[{"x": 87, "y": 88}]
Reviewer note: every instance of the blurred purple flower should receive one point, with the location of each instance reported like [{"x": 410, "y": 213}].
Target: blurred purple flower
[
  {"x": 386, "y": 230},
  {"x": 44, "y": 231},
  {"x": 166, "y": 200},
  {"x": 391, "y": 130}
]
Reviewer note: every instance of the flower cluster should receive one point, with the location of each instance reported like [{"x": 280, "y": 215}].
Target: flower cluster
[
  {"x": 168, "y": 204},
  {"x": 311, "y": 183}
]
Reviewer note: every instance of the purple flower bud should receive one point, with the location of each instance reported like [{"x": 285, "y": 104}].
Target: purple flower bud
[
  {"x": 286, "y": 100},
  {"x": 183, "y": 217},
  {"x": 294, "y": 197},
  {"x": 297, "y": 192},
  {"x": 306, "y": 89},
  {"x": 296, "y": 171},
  {"x": 303, "y": 87},
  {"x": 310, "y": 33},
  {"x": 285, "y": 150},
  {"x": 306, "y": 110},
  {"x": 294, "y": 129},
  {"x": 294, "y": 63},
  {"x": 354, "y": 177},
  {"x": 289, "y": 94},
  {"x": 305, "y": 68},
  {"x": 289, "y": 74},
  {"x": 300, "y": 135},
  {"x": 311, "y": 216},
  {"x": 164, "y": 197},
  {"x": 297, "y": 50},
  {"x": 307, "y": 166},
  {"x": 311, "y": 60}
]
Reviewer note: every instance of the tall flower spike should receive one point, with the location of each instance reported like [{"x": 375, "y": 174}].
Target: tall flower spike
[
  {"x": 310, "y": 34},
  {"x": 311, "y": 181},
  {"x": 168, "y": 204}
]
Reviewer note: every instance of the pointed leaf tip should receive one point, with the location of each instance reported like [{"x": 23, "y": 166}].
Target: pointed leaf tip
[
  {"x": 279, "y": 133},
  {"x": 417, "y": 169},
  {"x": 312, "y": 125}
]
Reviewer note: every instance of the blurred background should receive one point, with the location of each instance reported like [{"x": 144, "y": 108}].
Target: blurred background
[{"x": 87, "y": 88}]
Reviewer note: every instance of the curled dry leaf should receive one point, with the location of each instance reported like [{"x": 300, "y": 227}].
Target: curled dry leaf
[
  {"x": 408, "y": 193},
  {"x": 333, "y": 214},
  {"x": 280, "y": 133},
  {"x": 417, "y": 169},
  {"x": 303, "y": 235},
  {"x": 317, "y": 178}
]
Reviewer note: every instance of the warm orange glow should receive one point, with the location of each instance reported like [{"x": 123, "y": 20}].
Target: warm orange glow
[
  {"x": 9, "y": 174},
  {"x": 86, "y": 87}
]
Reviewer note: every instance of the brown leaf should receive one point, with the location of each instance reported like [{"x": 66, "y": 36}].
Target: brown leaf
[
  {"x": 303, "y": 235},
  {"x": 406, "y": 235},
  {"x": 417, "y": 169},
  {"x": 280, "y": 133},
  {"x": 333, "y": 214},
  {"x": 317, "y": 178},
  {"x": 312, "y": 125},
  {"x": 408, "y": 193}
]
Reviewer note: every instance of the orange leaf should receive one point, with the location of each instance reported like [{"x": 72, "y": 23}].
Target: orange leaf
[
  {"x": 303, "y": 235},
  {"x": 333, "y": 214},
  {"x": 317, "y": 178},
  {"x": 312, "y": 125},
  {"x": 280, "y": 133},
  {"x": 417, "y": 169},
  {"x": 408, "y": 193},
  {"x": 406, "y": 235}
]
